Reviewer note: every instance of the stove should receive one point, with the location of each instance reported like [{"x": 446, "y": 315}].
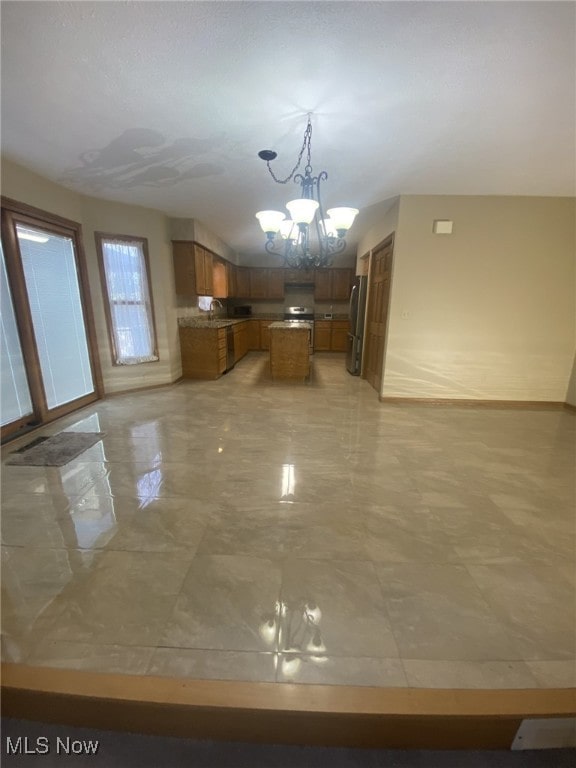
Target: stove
[{"x": 301, "y": 315}]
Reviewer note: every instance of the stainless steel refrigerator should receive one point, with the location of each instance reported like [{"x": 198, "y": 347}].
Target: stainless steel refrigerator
[{"x": 357, "y": 312}]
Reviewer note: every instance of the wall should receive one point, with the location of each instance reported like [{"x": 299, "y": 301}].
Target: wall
[
  {"x": 378, "y": 222},
  {"x": 192, "y": 229},
  {"x": 487, "y": 312},
  {"x": 26, "y": 187},
  {"x": 98, "y": 215}
]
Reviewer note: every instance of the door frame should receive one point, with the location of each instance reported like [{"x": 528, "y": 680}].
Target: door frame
[
  {"x": 387, "y": 242},
  {"x": 13, "y": 212}
]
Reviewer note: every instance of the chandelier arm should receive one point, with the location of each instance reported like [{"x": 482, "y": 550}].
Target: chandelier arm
[
  {"x": 270, "y": 247},
  {"x": 337, "y": 246}
]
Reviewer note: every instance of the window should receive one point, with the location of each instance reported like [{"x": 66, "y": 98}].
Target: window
[{"x": 125, "y": 275}]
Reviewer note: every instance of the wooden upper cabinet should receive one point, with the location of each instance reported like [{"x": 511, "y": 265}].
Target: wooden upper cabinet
[
  {"x": 299, "y": 276},
  {"x": 323, "y": 284},
  {"x": 219, "y": 279},
  {"x": 231, "y": 270},
  {"x": 243, "y": 283},
  {"x": 184, "y": 269},
  {"x": 276, "y": 283},
  {"x": 332, "y": 284},
  {"x": 258, "y": 283},
  {"x": 204, "y": 266},
  {"x": 341, "y": 284}
]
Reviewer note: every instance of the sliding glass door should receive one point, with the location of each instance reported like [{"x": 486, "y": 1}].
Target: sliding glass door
[
  {"x": 55, "y": 366},
  {"x": 16, "y": 401}
]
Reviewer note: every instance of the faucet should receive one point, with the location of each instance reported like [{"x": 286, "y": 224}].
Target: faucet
[{"x": 211, "y": 310}]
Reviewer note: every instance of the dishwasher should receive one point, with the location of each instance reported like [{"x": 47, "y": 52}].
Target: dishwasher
[{"x": 229, "y": 348}]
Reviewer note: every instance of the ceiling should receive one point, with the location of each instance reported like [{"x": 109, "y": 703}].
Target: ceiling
[{"x": 166, "y": 104}]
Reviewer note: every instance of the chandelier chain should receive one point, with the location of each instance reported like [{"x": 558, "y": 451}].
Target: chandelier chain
[{"x": 305, "y": 144}]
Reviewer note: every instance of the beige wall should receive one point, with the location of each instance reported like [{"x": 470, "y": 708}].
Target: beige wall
[
  {"x": 487, "y": 312},
  {"x": 27, "y": 187},
  {"x": 192, "y": 229},
  {"x": 99, "y": 215},
  {"x": 379, "y": 222}
]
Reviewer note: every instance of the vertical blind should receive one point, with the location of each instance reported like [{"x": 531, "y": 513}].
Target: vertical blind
[
  {"x": 49, "y": 266},
  {"x": 129, "y": 299},
  {"x": 15, "y": 395}
]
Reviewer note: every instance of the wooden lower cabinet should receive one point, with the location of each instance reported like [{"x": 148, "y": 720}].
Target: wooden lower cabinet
[
  {"x": 203, "y": 352},
  {"x": 339, "y": 336},
  {"x": 331, "y": 335},
  {"x": 253, "y": 334},
  {"x": 265, "y": 334},
  {"x": 240, "y": 341},
  {"x": 322, "y": 335}
]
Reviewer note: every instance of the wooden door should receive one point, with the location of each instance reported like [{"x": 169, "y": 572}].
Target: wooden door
[
  {"x": 379, "y": 283},
  {"x": 45, "y": 292}
]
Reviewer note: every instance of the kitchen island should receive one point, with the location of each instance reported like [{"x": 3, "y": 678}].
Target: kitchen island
[{"x": 290, "y": 350}]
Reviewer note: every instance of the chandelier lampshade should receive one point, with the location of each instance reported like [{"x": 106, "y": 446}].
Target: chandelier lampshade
[
  {"x": 302, "y": 210},
  {"x": 342, "y": 219},
  {"x": 270, "y": 221},
  {"x": 308, "y": 239}
]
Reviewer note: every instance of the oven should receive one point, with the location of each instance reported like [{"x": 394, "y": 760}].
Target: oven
[{"x": 301, "y": 315}]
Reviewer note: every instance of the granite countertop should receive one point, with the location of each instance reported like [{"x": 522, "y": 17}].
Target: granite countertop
[
  {"x": 201, "y": 322},
  {"x": 221, "y": 322},
  {"x": 290, "y": 326}
]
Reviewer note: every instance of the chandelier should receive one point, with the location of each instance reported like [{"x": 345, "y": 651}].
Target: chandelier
[{"x": 308, "y": 239}]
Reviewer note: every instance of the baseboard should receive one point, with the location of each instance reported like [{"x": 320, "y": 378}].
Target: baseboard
[
  {"x": 570, "y": 407},
  {"x": 464, "y": 402},
  {"x": 323, "y": 715},
  {"x": 148, "y": 388}
]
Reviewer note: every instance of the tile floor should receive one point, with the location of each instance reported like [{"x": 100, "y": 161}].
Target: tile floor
[{"x": 307, "y": 533}]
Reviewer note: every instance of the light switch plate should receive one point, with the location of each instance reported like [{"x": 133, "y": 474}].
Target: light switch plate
[{"x": 442, "y": 227}]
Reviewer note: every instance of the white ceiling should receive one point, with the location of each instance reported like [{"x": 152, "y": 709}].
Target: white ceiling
[{"x": 166, "y": 104}]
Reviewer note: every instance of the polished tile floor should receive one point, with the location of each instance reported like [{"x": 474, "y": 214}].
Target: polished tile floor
[{"x": 250, "y": 530}]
